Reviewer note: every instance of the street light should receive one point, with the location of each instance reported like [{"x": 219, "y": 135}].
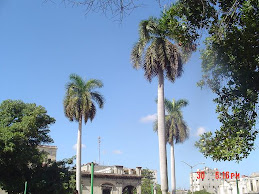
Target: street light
[{"x": 191, "y": 171}]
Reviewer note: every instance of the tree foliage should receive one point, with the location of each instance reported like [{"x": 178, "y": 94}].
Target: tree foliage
[
  {"x": 53, "y": 178},
  {"x": 200, "y": 192},
  {"x": 230, "y": 63},
  {"x": 154, "y": 51},
  {"x": 148, "y": 183},
  {"x": 176, "y": 128},
  {"x": 23, "y": 127},
  {"x": 80, "y": 98}
]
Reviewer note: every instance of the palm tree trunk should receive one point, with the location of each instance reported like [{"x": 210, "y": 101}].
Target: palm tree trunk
[
  {"x": 161, "y": 133},
  {"x": 173, "y": 181},
  {"x": 78, "y": 157}
]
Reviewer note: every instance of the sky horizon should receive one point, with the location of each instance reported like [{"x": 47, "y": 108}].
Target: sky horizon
[{"x": 43, "y": 43}]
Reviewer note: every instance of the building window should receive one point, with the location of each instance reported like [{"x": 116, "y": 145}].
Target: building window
[
  {"x": 203, "y": 187},
  {"x": 213, "y": 186},
  {"x": 212, "y": 179}
]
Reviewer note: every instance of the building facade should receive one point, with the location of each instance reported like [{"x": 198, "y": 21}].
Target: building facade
[
  {"x": 246, "y": 185},
  {"x": 111, "y": 179},
  {"x": 208, "y": 183},
  {"x": 50, "y": 150}
]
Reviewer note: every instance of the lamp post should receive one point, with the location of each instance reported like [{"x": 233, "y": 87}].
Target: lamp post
[{"x": 191, "y": 171}]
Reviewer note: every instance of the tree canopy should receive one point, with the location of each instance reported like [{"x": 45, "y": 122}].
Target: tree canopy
[
  {"x": 148, "y": 181},
  {"x": 200, "y": 192},
  {"x": 230, "y": 63},
  {"x": 53, "y": 178},
  {"x": 176, "y": 128},
  {"x": 81, "y": 97},
  {"x": 23, "y": 126},
  {"x": 155, "y": 51}
]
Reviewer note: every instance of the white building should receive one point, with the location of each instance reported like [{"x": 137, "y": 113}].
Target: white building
[
  {"x": 209, "y": 183},
  {"x": 246, "y": 185}
]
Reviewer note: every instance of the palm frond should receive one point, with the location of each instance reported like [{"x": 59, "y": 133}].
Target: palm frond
[
  {"x": 174, "y": 65},
  {"x": 77, "y": 80},
  {"x": 168, "y": 106},
  {"x": 98, "y": 98},
  {"x": 176, "y": 128},
  {"x": 93, "y": 84},
  {"x": 147, "y": 28},
  {"x": 151, "y": 61},
  {"x": 155, "y": 126},
  {"x": 182, "y": 103},
  {"x": 137, "y": 53},
  {"x": 92, "y": 112},
  {"x": 183, "y": 132}
]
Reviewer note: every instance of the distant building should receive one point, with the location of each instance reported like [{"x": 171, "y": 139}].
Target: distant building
[
  {"x": 209, "y": 183},
  {"x": 111, "y": 179},
  {"x": 182, "y": 191},
  {"x": 107, "y": 179},
  {"x": 246, "y": 185},
  {"x": 50, "y": 150}
]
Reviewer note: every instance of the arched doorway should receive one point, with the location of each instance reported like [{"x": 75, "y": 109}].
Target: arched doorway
[
  {"x": 129, "y": 190},
  {"x": 106, "y": 188}
]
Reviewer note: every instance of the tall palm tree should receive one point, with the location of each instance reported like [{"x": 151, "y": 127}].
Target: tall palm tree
[
  {"x": 158, "y": 56},
  {"x": 177, "y": 130},
  {"x": 79, "y": 105}
]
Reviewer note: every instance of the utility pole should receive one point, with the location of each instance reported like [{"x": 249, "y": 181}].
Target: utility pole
[
  {"x": 99, "y": 142},
  {"x": 191, "y": 172}
]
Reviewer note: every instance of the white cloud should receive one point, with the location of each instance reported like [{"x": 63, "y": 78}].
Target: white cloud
[
  {"x": 200, "y": 131},
  {"x": 117, "y": 152},
  {"x": 83, "y": 146},
  {"x": 148, "y": 118}
]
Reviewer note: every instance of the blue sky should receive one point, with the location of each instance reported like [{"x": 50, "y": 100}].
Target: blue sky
[{"x": 42, "y": 44}]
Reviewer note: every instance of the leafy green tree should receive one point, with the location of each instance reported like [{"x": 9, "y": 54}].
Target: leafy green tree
[
  {"x": 200, "y": 192},
  {"x": 53, "y": 178},
  {"x": 147, "y": 182},
  {"x": 177, "y": 130},
  {"x": 230, "y": 63},
  {"x": 23, "y": 126},
  {"x": 79, "y": 105},
  {"x": 158, "y": 56}
]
